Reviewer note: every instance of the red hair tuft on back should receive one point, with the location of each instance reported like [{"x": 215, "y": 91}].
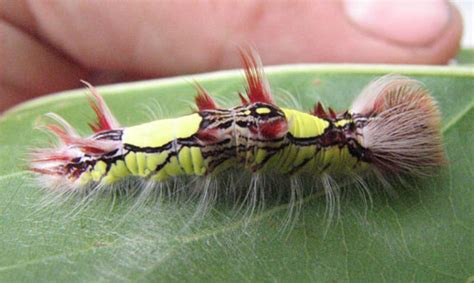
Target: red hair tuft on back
[{"x": 258, "y": 89}]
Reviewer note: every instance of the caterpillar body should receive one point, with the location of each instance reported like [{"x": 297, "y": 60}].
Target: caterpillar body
[{"x": 392, "y": 127}]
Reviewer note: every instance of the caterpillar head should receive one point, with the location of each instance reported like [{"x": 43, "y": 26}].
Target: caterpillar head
[
  {"x": 263, "y": 121},
  {"x": 258, "y": 121},
  {"x": 400, "y": 125}
]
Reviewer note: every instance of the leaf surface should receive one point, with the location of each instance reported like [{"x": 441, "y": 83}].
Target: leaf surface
[{"x": 425, "y": 233}]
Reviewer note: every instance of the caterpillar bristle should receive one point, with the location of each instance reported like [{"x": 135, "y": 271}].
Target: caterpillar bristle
[
  {"x": 203, "y": 99},
  {"x": 402, "y": 131},
  {"x": 47, "y": 118},
  {"x": 258, "y": 88},
  {"x": 319, "y": 111},
  {"x": 54, "y": 163},
  {"x": 243, "y": 99},
  {"x": 105, "y": 120}
]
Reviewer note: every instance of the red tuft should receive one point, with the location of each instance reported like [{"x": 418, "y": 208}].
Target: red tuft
[
  {"x": 243, "y": 99},
  {"x": 53, "y": 157},
  {"x": 88, "y": 146},
  {"x": 320, "y": 112},
  {"x": 45, "y": 171},
  {"x": 274, "y": 130},
  {"x": 105, "y": 120},
  {"x": 210, "y": 135},
  {"x": 203, "y": 100},
  {"x": 60, "y": 133},
  {"x": 258, "y": 87}
]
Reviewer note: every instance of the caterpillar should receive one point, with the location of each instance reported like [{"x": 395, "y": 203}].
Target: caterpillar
[{"x": 392, "y": 128}]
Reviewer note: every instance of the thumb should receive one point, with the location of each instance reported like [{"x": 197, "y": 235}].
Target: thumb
[
  {"x": 169, "y": 38},
  {"x": 61, "y": 42}
]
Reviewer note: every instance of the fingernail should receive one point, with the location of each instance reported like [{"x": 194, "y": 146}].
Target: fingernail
[{"x": 414, "y": 23}]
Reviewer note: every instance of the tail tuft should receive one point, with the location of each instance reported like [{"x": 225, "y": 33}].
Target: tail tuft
[
  {"x": 63, "y": 164},
  {"x": 402, "y": 130}
]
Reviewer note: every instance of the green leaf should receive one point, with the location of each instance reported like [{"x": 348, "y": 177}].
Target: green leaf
[
  {"x": 425, "y": 233},
  {"x": 465, "y": 57}
]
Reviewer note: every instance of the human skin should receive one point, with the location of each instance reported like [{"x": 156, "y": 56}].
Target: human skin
[{"x": 48, "y": 46}]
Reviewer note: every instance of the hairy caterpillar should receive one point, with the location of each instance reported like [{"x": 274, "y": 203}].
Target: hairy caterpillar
[{"x": 391, "y": 128}]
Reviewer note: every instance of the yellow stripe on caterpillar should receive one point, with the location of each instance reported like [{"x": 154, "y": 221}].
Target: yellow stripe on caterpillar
[
  {"x": 160, "y": 132},
  {"x": 304, "y": 125}
]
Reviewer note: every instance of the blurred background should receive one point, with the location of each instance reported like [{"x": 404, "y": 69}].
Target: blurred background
[
  {"x": 467, "y": 10},
  {"x": 66, "y": 41}
]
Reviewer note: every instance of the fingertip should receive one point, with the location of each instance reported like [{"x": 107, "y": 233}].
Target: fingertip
[
  {"x": 417, "y": 32},
  {"x": 414, "y": 23}
]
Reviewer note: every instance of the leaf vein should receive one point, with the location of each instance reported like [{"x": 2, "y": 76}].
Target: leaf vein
[{"x": 458, "y": 117}]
